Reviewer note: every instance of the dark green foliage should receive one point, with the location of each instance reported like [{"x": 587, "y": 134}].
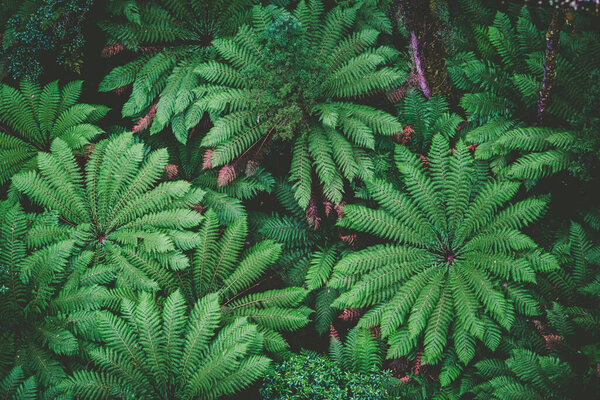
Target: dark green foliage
[
  {"x": 166, "y": 352},
  {"x": 525, "y": 375},
  {"x": 296, "y": 179},
  {"x": 32, "y": 117},
  {"x": 223, "y": 196},
  {"x": 456, "y": 265},
  {"x": 42, "y": 32},
  {"x": 297, "y": 77},
  {"x": 502, "y": 74},
  {"x": 573, "y": 292},
  {"x": 17, "y": 386},
  {"x": 116, "y": 208},
  {"x": 47, "y": 300},
  {"x": 220, "y": 265},
  {"x": 169, "y": 37},
  {"x": 426, "y": 117},
  {"x": 308, "y": 376},
  {"x": 360, "y": 353},
  {"x": 310, "y": 249}
]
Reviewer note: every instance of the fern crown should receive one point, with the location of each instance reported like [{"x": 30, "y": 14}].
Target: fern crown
[
  {"x": 116, "y": 208},
  {"x": 168, "y": 353},
  {"x": 48, "y": 298},
  {"x": 455, "y": 266},
  {"x": 170, "y": 38},
  {"x": 293, "y": 77}
]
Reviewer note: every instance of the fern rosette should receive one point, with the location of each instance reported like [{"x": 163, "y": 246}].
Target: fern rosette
[
  {"x": 32, "y": 117},
  {"x": 296, "y": 77},
  {"x": 166, "y": 352},
  {"x": 170, "y": 38},
  {"x": 116, "y": 208},
  {"x": 456, "y": 267}
]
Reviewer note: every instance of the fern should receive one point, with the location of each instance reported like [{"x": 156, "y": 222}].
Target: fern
[
  {"x": 308, "y": 254},
  {"x": 221, "y": 265},
  {"x": 48, "y": 295},
  {"x": 450, "y": 259},
  {"x": 573, "y": 290},
  {"x": 503, "y": 77},
  {"x": 361, "y": 352},
  {"x": 32, "y": 117},
  {"x": 524, "y": 375},
  {"x": 169, "y": 37},
  {"x": 116, "y": 209},
  {"x": 303, "y": 72},
  {"x": 224, "y": 196},
  {"x": 425, "y": 117},
  {"x": 155, "y": 352}
]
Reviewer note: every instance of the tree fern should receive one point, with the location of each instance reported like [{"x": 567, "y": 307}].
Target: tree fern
[
  {"x": 169, "y": 37},
  {"x": 32, "y": 117},
  {"x": 220, "y": 264},
  {"x": 505, "y": 58},
  {"x": 573, "y": 290},
  {"x": 163, "y": 352},
  {"x": 116, "y": 208},
  {"x": 503, "y": 76},
  {"x": 295, "y": 77},
  {"x": 47, "y": 302},
  {"x": 451, "y": 259}
]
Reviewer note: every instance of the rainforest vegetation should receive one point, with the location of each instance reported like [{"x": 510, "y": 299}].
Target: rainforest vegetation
[{"x": 299, "y": 199}]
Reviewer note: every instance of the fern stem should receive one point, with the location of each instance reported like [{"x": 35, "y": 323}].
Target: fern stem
[
  {"x": 414, "y": 45},
  {"x": 552, "y": 47}
]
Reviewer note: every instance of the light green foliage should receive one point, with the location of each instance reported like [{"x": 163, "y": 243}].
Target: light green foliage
[
  {"x": 220, "y": 264},
  {"x": 32, "y": 117},
  {"x": 455, "y": 264},
  {"x": 170, "y": 37},
  {"x": 166, "y": 352},
  {"x": 296, "y": 77},
  {"x": 116, "y": 208}
]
